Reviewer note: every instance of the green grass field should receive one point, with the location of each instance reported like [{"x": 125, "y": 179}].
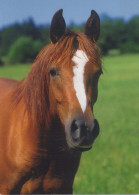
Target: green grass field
[{"x": 112, "y": 166}]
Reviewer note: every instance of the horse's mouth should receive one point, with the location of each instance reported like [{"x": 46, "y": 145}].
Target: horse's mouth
[
  {"x": 82, "y": 149},
  {"x": 79, "y": 136}
]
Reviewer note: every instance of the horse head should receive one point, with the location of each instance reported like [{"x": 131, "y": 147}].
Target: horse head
[{"x": 74, "y": 70}]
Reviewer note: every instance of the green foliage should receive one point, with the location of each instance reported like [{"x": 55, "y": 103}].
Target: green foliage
[
  {"x": 29, "y": 29},
  {"x": 1, "y": 62},
  {"x": 133, "y": 30},
  {"x": 111, "y": 166},
  {"x": 10, "y": 34},
  {"x": 129, "y": 47},
  {"x": 44, "y": 34},
  {"x": 116, "y": 34},
  {"x": 37, "y": 46},
  {"x": 23, "y": 50}
]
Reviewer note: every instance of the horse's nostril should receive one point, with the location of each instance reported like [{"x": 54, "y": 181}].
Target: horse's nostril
[
  {"x": 78, "y": 130},
  {"x": 83, "y": 131},
  {"x": 75, "y": 131}
]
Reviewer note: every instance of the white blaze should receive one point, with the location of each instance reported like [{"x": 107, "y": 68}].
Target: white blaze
[{"x": 80, "y": 59}]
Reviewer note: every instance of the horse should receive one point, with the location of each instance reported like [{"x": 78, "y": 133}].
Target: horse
[{"x": 46, "y": 120}]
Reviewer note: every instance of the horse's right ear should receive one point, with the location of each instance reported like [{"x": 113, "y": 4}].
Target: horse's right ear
[
  {"x": 92, "y": 27},
  {"x": 58, "y": 26}
]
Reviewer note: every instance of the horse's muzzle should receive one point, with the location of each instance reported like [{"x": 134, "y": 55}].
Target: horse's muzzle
[{"x": 83, "y": 135}]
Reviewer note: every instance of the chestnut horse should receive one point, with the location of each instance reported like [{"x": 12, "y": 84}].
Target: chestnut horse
[{"x": 46, "y": 120}]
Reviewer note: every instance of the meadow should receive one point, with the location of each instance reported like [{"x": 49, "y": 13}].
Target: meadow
[{"x": 112, "y": 166}]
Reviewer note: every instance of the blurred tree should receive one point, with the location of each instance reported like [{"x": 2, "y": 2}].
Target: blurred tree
[
  {"x": 7, "y": 36},
  {"x": 29, "y": 29},
  {"x": 133, "y": 29},
  {"x": 23, "y": 50},
  {"x": 1, "y": 62},
  {"x": 131, "y": 35},
  {"x": 106, "y": 41},
  {"x": 44, "y": 34},
  {"x": 37, "y": 46},
  {"x": 11, "y": 33}
]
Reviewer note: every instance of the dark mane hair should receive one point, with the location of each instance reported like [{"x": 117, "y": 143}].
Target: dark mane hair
[{"x": 34, "y": 89}]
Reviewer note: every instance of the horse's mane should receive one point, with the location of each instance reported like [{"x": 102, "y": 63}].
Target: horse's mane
[{"x": 34, "y": 89}]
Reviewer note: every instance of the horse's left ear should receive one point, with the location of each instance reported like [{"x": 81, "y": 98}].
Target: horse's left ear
[
  {"x": 92, "y": 27},
  {"x": 58, "y": 26}
]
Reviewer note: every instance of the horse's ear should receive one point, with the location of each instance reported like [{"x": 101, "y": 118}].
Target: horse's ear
[
  {"x": 92, "y": 27},
  {"x": 58, "y": 26}
]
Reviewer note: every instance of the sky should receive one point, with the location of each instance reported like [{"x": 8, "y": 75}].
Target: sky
[{"x": 76, "y": 11}]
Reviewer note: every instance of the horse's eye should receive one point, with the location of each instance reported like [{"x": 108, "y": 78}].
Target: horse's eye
[{"x": 53, "y": 72}]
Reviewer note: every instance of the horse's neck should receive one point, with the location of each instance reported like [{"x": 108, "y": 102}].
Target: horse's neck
[{"x": 61, "y": 172}]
